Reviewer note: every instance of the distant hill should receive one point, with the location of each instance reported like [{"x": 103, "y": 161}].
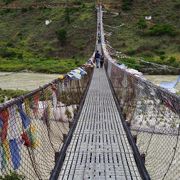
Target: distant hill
[{"x": 141, "y": 28}]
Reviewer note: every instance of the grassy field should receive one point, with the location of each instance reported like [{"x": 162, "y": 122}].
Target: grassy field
[
  {"x": 27, "y": 43},
  {"x": 44, "y": 65},
  {"x": 155, "y": 40}
]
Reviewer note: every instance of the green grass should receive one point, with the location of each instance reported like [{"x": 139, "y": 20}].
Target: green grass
[
  {"x": 10, "y": 94},
  {"x": 40, "y": 65},
  {"x": 142, "y": 38},
  {"x": 131, "y": 63},
  {"x": 178, "y": 93}
]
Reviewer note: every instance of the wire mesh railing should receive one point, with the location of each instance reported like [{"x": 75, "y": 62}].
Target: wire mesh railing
[
  {"x": 153, "y": 117},
  {"x": 33, "y": 127}
]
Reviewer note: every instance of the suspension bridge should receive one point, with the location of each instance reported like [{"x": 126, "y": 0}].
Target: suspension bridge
[{"x": 110, "y": 124}]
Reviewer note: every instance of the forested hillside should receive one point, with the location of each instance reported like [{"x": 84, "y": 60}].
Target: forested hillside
[
  {"x": 38, "y": 36},
  {"x": 57, "y": 35},
  {"x": 141, "y": 28}
]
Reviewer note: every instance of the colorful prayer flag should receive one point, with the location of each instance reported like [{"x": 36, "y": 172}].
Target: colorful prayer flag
[
  {"x": 25, "y": 119},
  {"x": 15, "y": 153}
]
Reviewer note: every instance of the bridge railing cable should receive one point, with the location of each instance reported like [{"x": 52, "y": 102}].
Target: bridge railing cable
[
  {"x": 33, "y": 127},
  {"x": 153, "y": 116},
  {"x": 154, "y": 119}
]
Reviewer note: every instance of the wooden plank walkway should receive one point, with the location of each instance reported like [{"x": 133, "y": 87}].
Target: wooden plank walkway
[{"x": 99, "y": 148}]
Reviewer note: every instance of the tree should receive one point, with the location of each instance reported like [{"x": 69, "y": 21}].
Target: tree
[
  {"x": 62, "y": 36},
  {"x": 67, "y": 15},
  {"x": 8, "y": 1}
]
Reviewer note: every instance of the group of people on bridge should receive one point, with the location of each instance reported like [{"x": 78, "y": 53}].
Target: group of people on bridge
[{"x": 99, "y": 59}]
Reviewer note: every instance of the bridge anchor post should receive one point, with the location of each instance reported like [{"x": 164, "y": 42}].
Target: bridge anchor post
[
  {"x": 128, "y": 123},
  {"x": 124, "y": 115},
  {"x": 77, "y": 107},
  {"x": 135, "y": 138},
  {"x": 56, "y": 156},
  {"x": 64, "y": 137},
  {"x": 143, "y": 156},
  {"x": 70, "y": 124}
]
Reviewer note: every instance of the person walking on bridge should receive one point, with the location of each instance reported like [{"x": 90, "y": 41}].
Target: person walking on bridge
[
  {"x": 97, "y": 58},
  {"x": 102, "y": 61}
]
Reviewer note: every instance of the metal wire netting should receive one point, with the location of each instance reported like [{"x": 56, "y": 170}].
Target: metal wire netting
[
  {"x": 153, "y": 115},
  {"x": 32, "y": 128}
]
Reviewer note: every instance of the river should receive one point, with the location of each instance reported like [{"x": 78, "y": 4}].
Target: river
[
  {"x": 156, "y": 79},
  {"x": 24, "y": 81},
  {"x": 30, "y": 81}
]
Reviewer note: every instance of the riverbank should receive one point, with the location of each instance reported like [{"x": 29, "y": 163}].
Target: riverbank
[
  {"x": 15, "y": 84},
  {"x": 24, "y": 81},
  {"x": 157, "y": 79}
]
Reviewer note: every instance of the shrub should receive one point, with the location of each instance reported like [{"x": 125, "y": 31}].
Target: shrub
[
  {"x": 62, "y": 36},
  {"x": 171, "y": 59},
  {"x": 83, "y": 6},
  {"x": 178, "y": 48},
  {"x": 131, "y": 52},
  {"x": 177, "y": 6},
  {"x": 147, "y": 47},
  {"x": 142, "y": 24},
  {"x": 13, "y": 176},
  {"x": 147, "y": 54},
  {"x": 68, "y": 114},
  {"x": 23, "y": 10},
  {"x": 157, "y": 61},
  {"x": 76, "y": 62},
  {"x": 5, "y": 53},
  {"x": 131, "y": 63},
  {"x": 5, "y": 11},
  {"x": 30, "y": 8},
  {"x": 126, "y": 5},
  {"x": 162, "y": 57},
  {"x": 19, "y": 56},
  {"x": 7, "y": 1},
  {"x": 159, "y": 52},
  {"x": 162, "y": 29},
  {"x": 67, "y": 15},
  {"x": 129, "y": 60},
  {"x": 78, "y": 2},
  {"x": 9, "y": 44}
]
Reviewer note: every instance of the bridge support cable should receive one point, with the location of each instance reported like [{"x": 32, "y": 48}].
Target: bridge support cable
[
  {"x": 152, "y": 114},
  {"x": 109, "y": 60}
]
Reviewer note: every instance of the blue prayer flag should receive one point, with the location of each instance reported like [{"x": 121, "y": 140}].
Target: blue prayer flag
[
  {"x": 25, "y": 119},
  {"x": 15, "y": 153}
]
